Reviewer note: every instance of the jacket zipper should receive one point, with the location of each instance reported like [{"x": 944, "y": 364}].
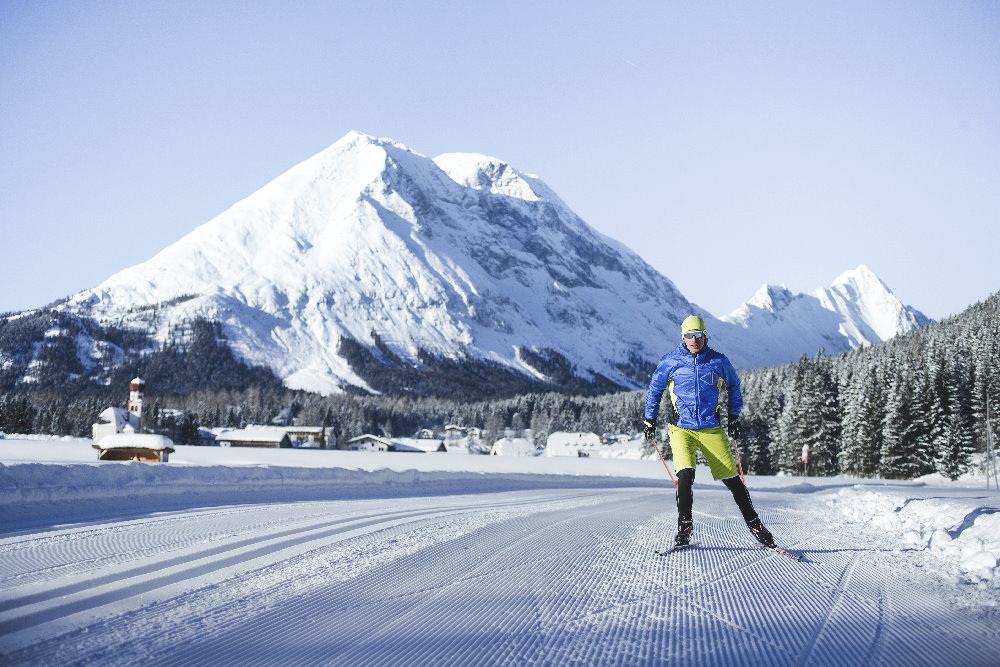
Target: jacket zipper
[{"x": 697, "y": 392}]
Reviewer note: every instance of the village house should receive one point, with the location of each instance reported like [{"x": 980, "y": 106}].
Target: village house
[
  {"x": 255, "y": 436},
  {"x": 417, "y": 445},
  {"x": 368, "y": 443},
  {"x": 310, "y": 437},
  {"x": 511, "y": 446},
  {"x": 207, "y": 435},
  {"x": 374, "y": 443},
  {"x": 563, "y": 443},
  {"x": 306, "y": 437},
  {"x": 147, "y": 447}
]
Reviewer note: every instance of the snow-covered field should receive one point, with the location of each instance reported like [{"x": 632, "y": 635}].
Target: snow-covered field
[{"x": 241, "y": 556}]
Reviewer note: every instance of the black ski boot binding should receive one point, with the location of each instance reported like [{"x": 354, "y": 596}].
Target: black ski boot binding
[
  {"x": 762, "y": 534},
  {"x": 684, "y": 530}
]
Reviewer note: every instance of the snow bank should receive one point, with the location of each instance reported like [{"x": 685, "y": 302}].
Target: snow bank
[
  {"x": 36, "y": 482},
  {"x": 63, "y": 478},
  {"x": 44, "y": 478},
  {"x": 961, "y": 535},
  {"x": 135, "y": 441}
]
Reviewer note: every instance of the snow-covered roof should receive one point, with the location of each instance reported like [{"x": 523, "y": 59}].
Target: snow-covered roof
[
  {"x": 565, "y": 443},
  {"x": 253, "y": 434},
  {"x": 513, "y": 447},
  {"x": 369, "y": 436},
  {"x": 417, "y": 444},
  {"x": 574, "y": 438},
  {"x": 120, "y": 417},
  {"x": 135, "y": 441},
  {"x": 289, "y": 429}
]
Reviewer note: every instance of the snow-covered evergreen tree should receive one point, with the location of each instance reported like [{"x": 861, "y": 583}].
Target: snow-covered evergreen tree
[
  {"x": 954, "y": 453},
  {"x": 901, "y": 429},
  {"x": 825, "y": 441},
  {"x": 861, "y": 436},
  {"x": 810, "y": 419}
]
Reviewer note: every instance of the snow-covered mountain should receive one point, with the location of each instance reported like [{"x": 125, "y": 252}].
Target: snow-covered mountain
[
  {"x": 461, "y": 258},
  {"x": 857, "y": 309}
]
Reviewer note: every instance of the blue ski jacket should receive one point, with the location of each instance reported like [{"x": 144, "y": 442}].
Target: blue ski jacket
[{"x": 695, "y": 384}]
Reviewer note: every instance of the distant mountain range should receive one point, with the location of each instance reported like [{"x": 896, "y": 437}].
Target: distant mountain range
[
  {"x": 857, "y": 309},
  {"x": 369, "y": 267}
]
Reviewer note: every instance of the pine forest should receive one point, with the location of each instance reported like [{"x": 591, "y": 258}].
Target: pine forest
[{"x": 914, "y": 405}]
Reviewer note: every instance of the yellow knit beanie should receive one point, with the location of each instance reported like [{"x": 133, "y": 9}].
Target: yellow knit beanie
[{"x": 692, "y": 323}]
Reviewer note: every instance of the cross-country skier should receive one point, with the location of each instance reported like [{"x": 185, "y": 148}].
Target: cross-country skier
[{"x": 694, "y": 374}]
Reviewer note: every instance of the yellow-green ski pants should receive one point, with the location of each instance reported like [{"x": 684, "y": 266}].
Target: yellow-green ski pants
[{"x": 712, "y": 443}]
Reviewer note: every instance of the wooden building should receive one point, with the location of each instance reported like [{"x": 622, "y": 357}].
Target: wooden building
[
  {"x": 147, "y": 447},
  {"x": 256, "y": 436}
]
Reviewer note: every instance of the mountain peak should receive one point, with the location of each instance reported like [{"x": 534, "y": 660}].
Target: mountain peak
[
  {"x": 356, "y": 152},
  {"x": 369, "y": 253},
  {"x": 872, "y": 312},
  {"x": 489, "y": 174},
  {"x": 355, "y": 138},
  {"x": 771, "y": 297},
  {"x": 766, "y": 301},
  {"x": 861, "y": 277}
]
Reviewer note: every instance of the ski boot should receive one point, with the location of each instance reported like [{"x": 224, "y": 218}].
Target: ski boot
[
  {"x": 684, "y": 530},
  {"x": 762, "y": 534}
]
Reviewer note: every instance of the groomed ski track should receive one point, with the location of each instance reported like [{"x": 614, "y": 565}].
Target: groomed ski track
[{"x": 556, "y": 577}]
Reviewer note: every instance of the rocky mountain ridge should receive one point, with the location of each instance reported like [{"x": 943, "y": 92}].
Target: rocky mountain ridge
[{"x": 369, "y": 262}]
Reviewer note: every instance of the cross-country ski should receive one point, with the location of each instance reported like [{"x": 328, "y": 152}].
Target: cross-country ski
[{"x": 674, "y": 549}]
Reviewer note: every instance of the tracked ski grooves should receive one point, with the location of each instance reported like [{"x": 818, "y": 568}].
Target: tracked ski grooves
[{"x": 532, "y": 577}]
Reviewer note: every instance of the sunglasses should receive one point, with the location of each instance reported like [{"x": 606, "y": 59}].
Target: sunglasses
[{"x": 694, "y": 334}]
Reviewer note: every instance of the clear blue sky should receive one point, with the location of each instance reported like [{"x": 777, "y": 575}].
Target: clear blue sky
[{"x": 729, "y": 143}]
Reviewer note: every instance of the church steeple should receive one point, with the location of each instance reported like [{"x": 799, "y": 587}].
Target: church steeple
[{"x": 136, "y": 389}]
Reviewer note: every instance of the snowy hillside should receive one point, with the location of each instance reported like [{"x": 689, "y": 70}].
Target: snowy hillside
[
  {"x": 370, "y": 254},
  {"x": 263, "y": 557}
]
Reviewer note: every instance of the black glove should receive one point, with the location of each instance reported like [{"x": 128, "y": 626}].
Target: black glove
[
  {"x": 735, "y": 429},
  {"x": 649, "y": 429}
]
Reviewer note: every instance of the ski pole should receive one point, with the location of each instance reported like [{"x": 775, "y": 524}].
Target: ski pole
[
  {"x": 664, "y": 462},
  {"x": 739, "y": 462}
]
